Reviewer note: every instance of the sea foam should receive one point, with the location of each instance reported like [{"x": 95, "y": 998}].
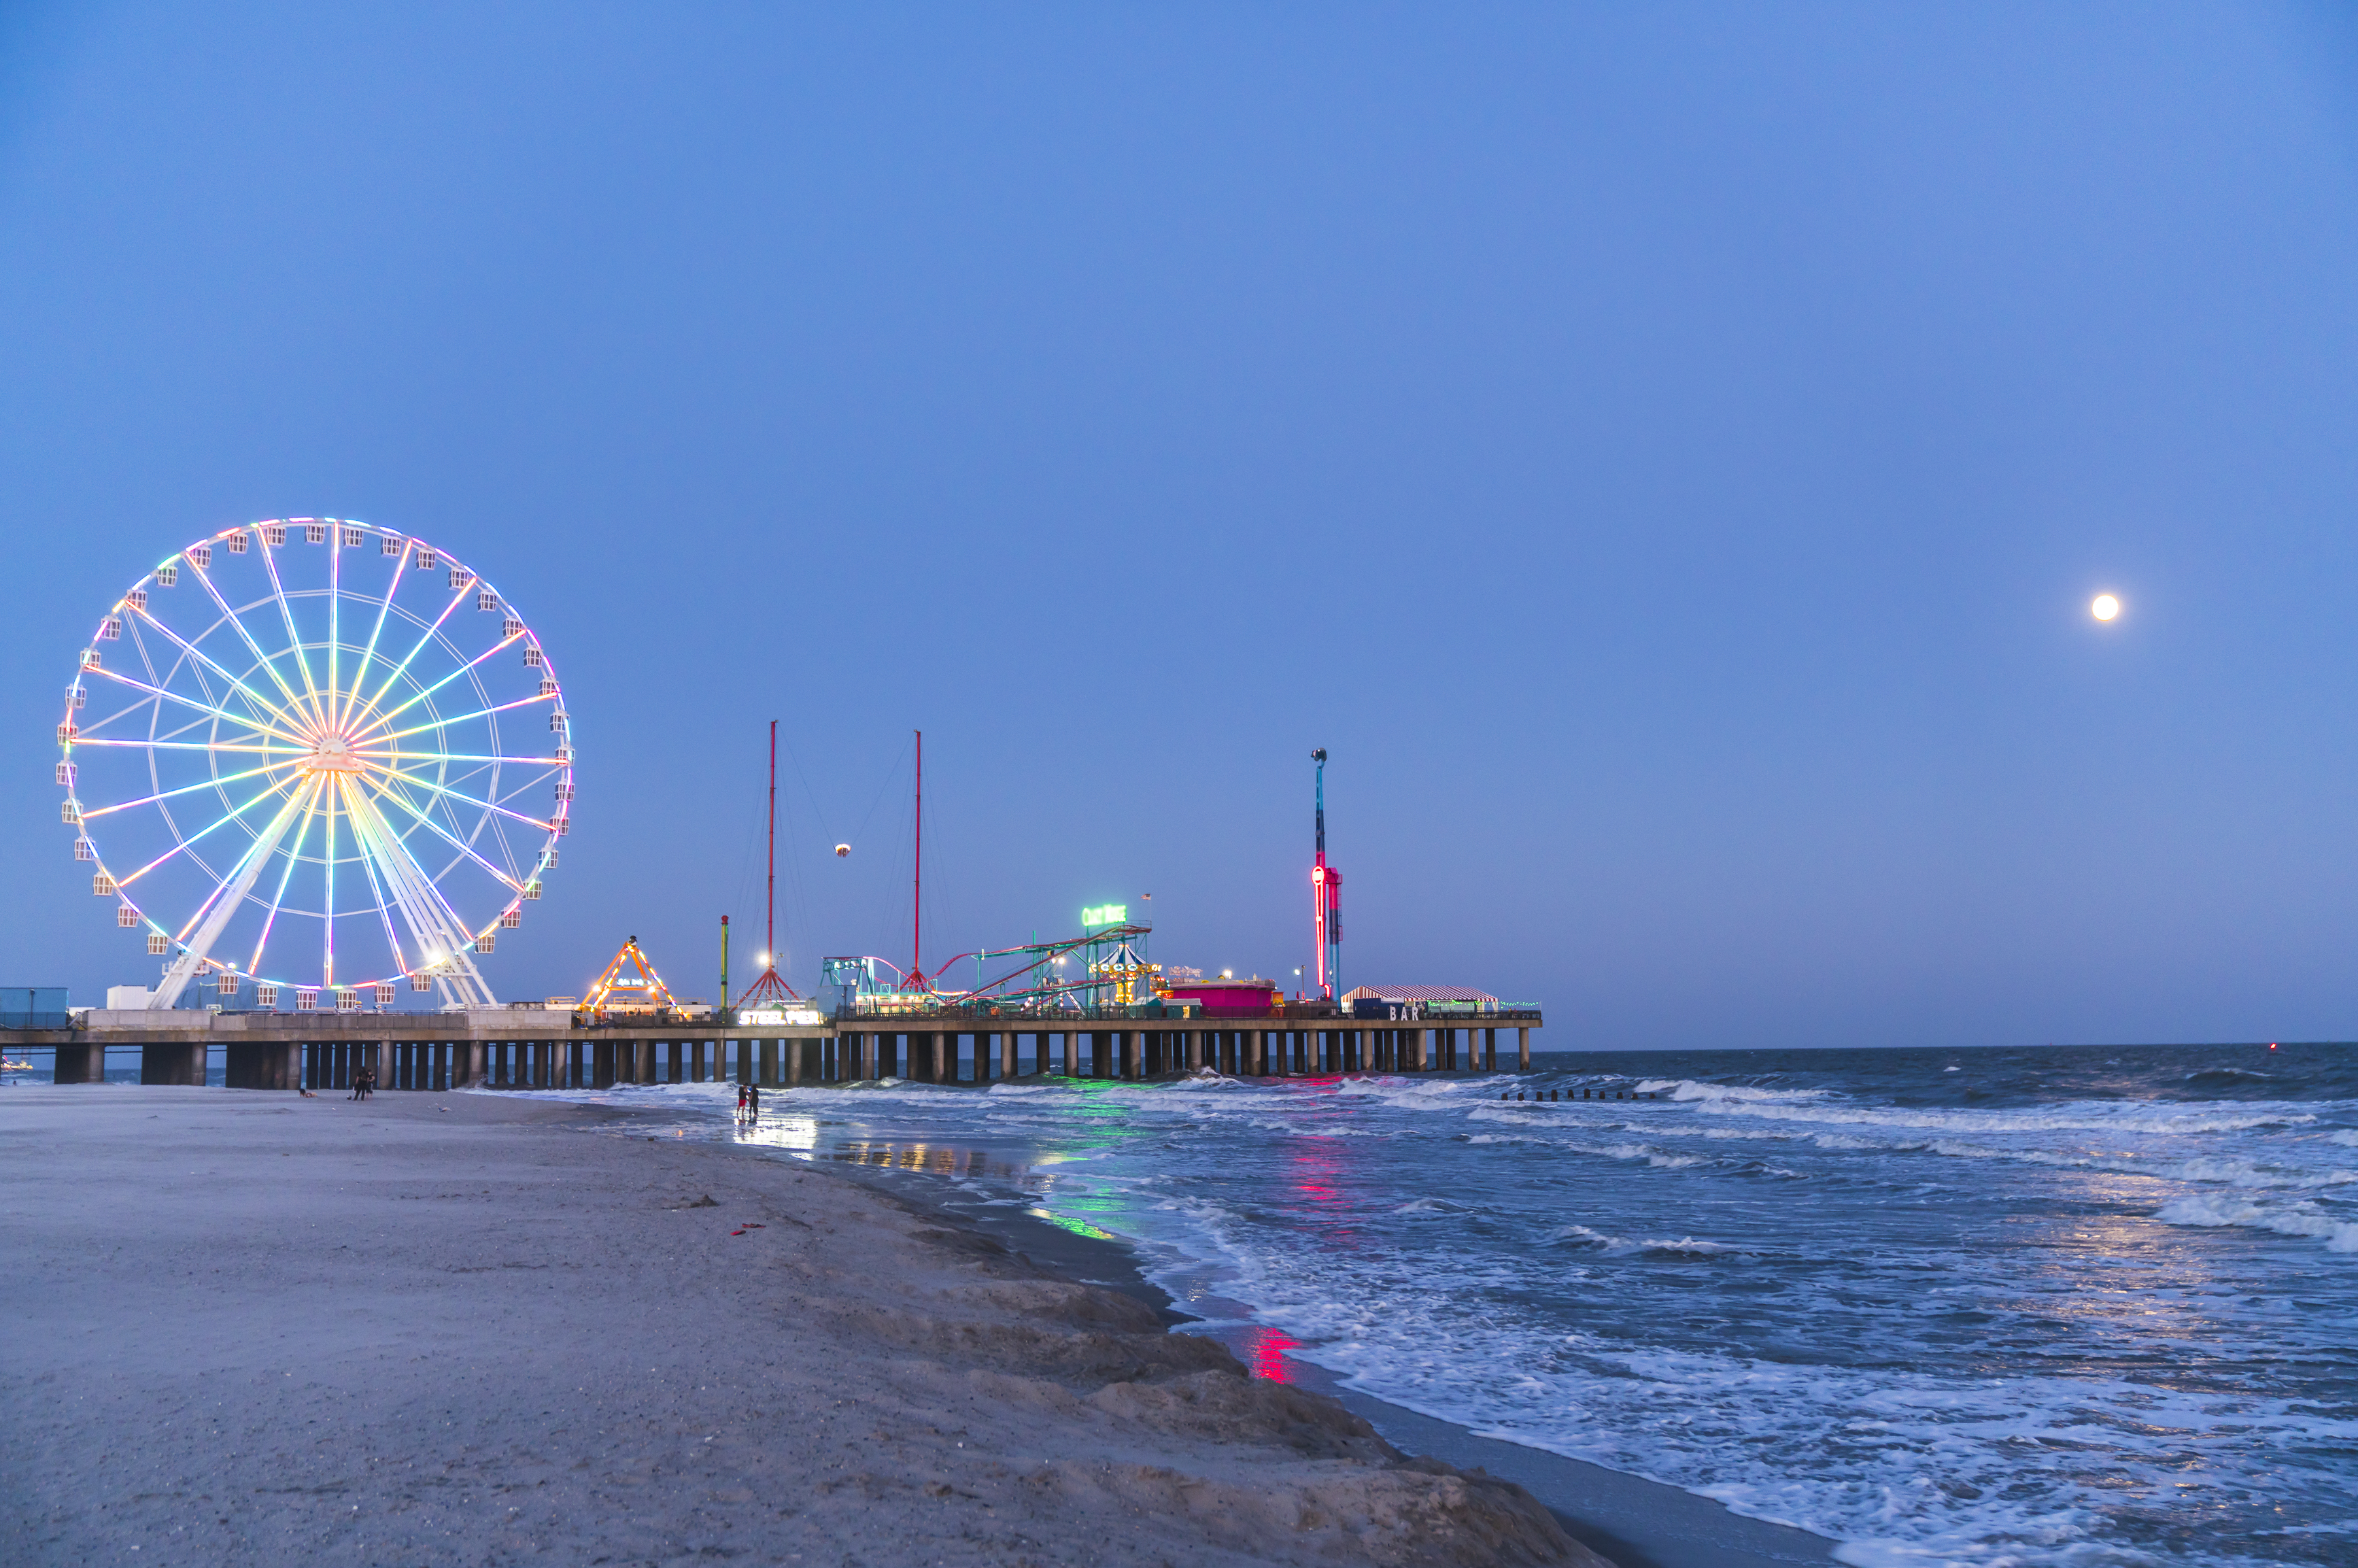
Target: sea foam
[{"x": 2218, "y": 1210}]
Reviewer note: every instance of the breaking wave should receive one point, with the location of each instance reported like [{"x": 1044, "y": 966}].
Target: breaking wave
[
  {"x": 1685, "y": 1246},
  {"x": 2216, "y": 1210}
]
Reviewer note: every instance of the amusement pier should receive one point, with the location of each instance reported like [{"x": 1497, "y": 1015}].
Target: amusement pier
[{"x": 314, "y": 769}]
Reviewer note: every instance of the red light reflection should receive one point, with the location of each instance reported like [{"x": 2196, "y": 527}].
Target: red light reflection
[
  {"x": 1316, "y": 1184},
  {"x": 1263, "y": 1353}
]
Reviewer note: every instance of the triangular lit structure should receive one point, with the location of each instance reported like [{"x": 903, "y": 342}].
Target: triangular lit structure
[
  {"x": 628, "y": 985},
  {"x": 769, "y": 987}
]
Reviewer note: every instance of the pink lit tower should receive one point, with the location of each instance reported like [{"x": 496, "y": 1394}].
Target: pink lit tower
[{"x": 1327, "y": 899}]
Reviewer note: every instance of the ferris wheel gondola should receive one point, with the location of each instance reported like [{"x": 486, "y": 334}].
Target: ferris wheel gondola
[{"x": 307, "y": 755}]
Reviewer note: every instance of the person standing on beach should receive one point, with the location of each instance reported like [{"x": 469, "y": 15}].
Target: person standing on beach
[
  {"x": 740, "y": 1102},
  {"x": 752, "y": 1102}
]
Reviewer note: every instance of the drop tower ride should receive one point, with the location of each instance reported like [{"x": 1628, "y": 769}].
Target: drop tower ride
[{"x": 1327, "y": 899}]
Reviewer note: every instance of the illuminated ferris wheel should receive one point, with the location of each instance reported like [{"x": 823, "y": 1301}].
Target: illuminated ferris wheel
[{"x": 317, "y": 757}]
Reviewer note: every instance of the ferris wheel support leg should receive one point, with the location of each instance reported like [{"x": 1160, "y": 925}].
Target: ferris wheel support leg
[
  {"x": 464, "y": 986},
  {"x": 433, "y": 925},
  {"x": 226, "y": 899}
]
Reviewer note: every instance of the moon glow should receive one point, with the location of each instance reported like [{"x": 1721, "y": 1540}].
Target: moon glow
[{"x": 2105, "y": 607}]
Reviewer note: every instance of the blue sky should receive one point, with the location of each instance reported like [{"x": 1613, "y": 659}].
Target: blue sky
[{"x": 1665, "y": 454}]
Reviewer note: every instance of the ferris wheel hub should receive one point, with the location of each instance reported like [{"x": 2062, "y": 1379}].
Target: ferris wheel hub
[{"x": 334, "y": 754}]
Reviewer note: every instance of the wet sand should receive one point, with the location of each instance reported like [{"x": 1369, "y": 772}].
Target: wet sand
[
  {"x": 1636, "y": 1522},
  {"x": 258, "y": 1329}
]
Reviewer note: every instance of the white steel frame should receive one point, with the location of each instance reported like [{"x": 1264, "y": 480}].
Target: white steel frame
[{"x": 289, "y": 728}]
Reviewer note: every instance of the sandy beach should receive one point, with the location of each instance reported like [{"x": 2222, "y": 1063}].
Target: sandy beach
[{"x": 260, "y": 1329}]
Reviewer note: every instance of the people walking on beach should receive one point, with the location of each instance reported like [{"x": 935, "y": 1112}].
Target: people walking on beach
[
  {"x": 752, "y": 1102},
  {"x": 740, "y": 1102}
]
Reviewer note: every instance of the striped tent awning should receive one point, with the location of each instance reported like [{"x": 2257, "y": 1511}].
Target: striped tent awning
[{"x": 1418, "y": 994}]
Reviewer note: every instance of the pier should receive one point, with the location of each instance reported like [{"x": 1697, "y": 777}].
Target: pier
[{"x": 537, "y": 1048}]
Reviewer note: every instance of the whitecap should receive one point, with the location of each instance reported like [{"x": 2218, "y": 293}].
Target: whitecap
[
  {"x": 2147, "y": 1117},
  {"x": 1691, "y": 1089},
  {"x": 2214, "y": 1210},
  {"x": 1685, "y": 1246},
  {"x": 2207, "y": 1169}
]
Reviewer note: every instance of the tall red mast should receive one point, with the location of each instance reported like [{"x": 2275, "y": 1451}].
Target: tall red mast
[
  {"x": 770, "y": 889},
  {"x": 917, "y": 884},
  {"x": 769, "y": 987}
]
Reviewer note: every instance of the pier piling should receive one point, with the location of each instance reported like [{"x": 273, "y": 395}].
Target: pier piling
[
  {"x": 80, "y": 1064},
  {"x": 331, "y": 1051}
]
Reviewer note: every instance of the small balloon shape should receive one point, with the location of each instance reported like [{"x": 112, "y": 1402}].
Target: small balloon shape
[{"x": 842, "y": 850}]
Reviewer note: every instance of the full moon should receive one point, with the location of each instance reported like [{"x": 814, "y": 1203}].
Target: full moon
[{"x": 2105, "y": 607}]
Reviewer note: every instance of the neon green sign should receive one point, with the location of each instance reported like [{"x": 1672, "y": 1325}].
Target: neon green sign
[{"x": 1105, "y": 915}]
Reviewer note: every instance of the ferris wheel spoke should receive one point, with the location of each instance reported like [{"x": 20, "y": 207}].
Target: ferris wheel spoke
[
  {"x": 434, "y": 923},
  {"x": 368, "y": 654},
  {"x": 134, "y": 623},
  {"x": 330, "y": 796},
  {"x": 500, "y": 837},
  {"x": 166, "y": 694},
  {"x": 137, "y": 706},
  {"x": 278, "y": 900},
  {"x": 246, "y": 635},
  {"x": 213, "y": 916},
  {"x": 189, "y": 726},
  {"x": 90, "y": 813},
  {"x": 447, "y": 836},
  {"x": 440, "y": 932},
  {"x": 389, "y": 715},
  {"x": 424, "y": 638},
  {"x": 335, "y": 622},
  {"x": 193, "y": 652},
  {"x": 190, "y": 746},
  {"x": 462, "y": 795},
  {"x": 294, "y": 637},
  {"x": 368, "y": 861},
  {"x": 470, "y": 800},
  {"x": 450, "y": 778},
  {"x": 464, "y": 717},
  {"x": 188, "y": 843},
  {"x": 253, "y": 857},
  {"x": 551, "y": 763}
]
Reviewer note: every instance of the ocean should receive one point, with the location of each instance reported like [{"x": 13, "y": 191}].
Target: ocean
[{"x": 2004, "y": 1308}]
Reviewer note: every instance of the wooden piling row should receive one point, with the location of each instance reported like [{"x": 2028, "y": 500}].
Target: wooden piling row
[
  {"x": 940, "y": 1055},
  {"x": 920, "y": 1048}
]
